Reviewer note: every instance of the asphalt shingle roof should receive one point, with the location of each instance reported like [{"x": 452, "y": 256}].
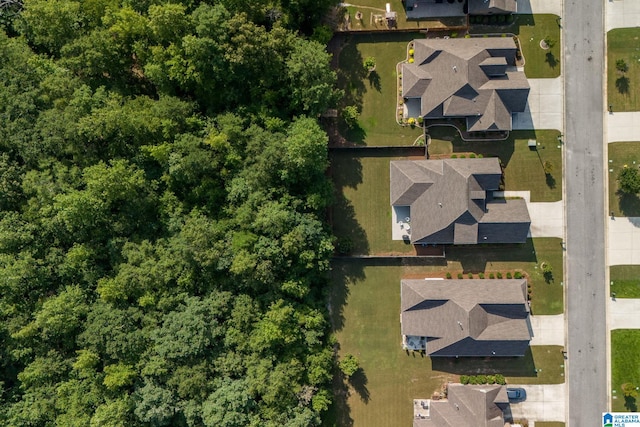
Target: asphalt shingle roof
[
  {"x": 474, "y": 78},
  {"x": 449, "y": 204},
  {"x": 467, "y": 317}
]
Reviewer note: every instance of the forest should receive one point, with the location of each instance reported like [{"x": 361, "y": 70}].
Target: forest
[{"x": 164, "y": 252}]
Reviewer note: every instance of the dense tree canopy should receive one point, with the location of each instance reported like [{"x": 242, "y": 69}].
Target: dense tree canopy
[{"x": 163, "y": 252}]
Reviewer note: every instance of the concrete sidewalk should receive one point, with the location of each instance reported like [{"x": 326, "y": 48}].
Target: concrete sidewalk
[
  {"x": 544, "y": 108},
  {"x": 544, "y": 403},
  {"x": 624, "y": 313},
  {"x": 624, "y": 240},
  {"x": 621, "y": 14},
  {"x": 547, "y": 218},
  {"x": 623, "y": 126},
  {"x": 540, "y": 6},
  {"x": 548, "y": 330}
]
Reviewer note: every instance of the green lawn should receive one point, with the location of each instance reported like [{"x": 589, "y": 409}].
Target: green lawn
[
  {"x": 625, "y": 281},
  {"x": 531, "y": 29},
  {"x": 365, "y": 303},
  {"x": 625, "y": 367},
  {"x": 621, "y": 154},
  {"x": 375, "y": 94},
  {"x": 523, "y": 166},
  {"x": 622, "y": 88}
]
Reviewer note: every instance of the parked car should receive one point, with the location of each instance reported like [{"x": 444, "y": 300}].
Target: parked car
[{"x": 516, "y": 394}]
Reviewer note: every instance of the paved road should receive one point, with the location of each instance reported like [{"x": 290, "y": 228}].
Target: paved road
[{"x": 584, "y": 174}]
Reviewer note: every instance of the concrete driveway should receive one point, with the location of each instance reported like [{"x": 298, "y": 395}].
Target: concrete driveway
[
  {"x": 624, "y": 240},
  {"x": 547, "y": 218},
  {"x": 624, "y": 313},
  {"x": 548, "y": 330},
  {"x": 624, "y": 126},
  {"x": 544, "y": 403},
  {"x": 621, "y": 14},
  {"x": 544, "y": 108},
  {"x": 540, "y": 6}
]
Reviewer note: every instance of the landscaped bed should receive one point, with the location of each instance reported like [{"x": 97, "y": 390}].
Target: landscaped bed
[
  {"x": 623, "y": 92},
  {"x": 524, "y": 168},
  {"x": 625, "y": 367},
  {"x": 621, "y": 154},
  {"x": 625, "y": 281},
  {"x": 365, "y": 305}
]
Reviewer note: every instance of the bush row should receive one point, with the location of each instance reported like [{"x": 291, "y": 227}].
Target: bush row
[
  {"x": 483, "y": 379},
  {"x": 516, "y": 275}
]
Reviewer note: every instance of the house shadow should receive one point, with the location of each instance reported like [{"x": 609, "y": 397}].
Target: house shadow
[
  {"x": 508, "y": 366},
  {"x": 479, "y": 258}
]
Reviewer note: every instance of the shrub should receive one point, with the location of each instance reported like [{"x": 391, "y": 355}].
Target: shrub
[
  {"x": 349, "y": 365},
  {"x": 492, "y": 276},
  {"x": 410, "y": 61},
  {"x": 448, "y": 275},
  {"x": 473, "y": 156},
  {"x": 509, "y": 19},
  {"x": 322, "y": 34},
  {"x": 464, "y": 379},
  {"x": 470, "y": 275},
  {"x": 454, "y": 35},
  {"x": 629, "y": 180},
  {"x": 492, "y": 19},
  {"x": 420, "y": 120},
  {"x": 517, "y": 275},
  {"x": 350, "y": 115},
  {"x": 482, "y": 379},
  {"x": 480, "y": 156},
  {"x": 499, "y": 275},
  {"x": 501, "y": 18},
  {"x": 481, "y": 275},
  {"x": 411, "y": 52},
  {"x": 462, "y": 156},
  {"x": 460, "y": 276},
  {"x": 411, "y": 121},
  {"x": 454, "y": 156},
  {"x": 369, "y": 63},
  {"x": 500, "y": 379},
  {"x": 509, "y": 276},
  {"x": 621, "y": 65},
  {"x": 549, "y": 41},
  {"x": 547, "y": 272}
]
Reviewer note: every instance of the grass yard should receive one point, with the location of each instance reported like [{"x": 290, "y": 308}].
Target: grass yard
[
  {"x": 361, "y": 212},
  {"x": 375, "y": 94},
  {"x": 531, "y": 29},
  {"x": 622, "y": 87},
  {"x": 365, "y": 303},
  {"x": 620, "y": 154},
  {"x": 625, "y": 281},
  {"x": 523, "y": 167},
  {"x": 625, "y": 367}
]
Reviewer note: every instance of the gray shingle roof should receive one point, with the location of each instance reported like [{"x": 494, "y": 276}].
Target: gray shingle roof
[
  {"x": 481, "y": 7},
  {"x": 471, "y": 78},
  {"x": 449, "y": 204},
  {"x": 467, "y": 317},
  {"x": 468, "y": 406}
]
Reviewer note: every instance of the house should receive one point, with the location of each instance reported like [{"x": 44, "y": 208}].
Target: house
[
  {"x": 488, "y": 7},
  {"x": 451, "y": 201},
  {"x": 465, "y": 318},
  {"x": 474, "y": 79},
  {"x": 466, "y": 406}
]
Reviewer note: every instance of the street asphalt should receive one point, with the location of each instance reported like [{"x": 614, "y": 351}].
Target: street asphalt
[{"x": 584, "y": 49}]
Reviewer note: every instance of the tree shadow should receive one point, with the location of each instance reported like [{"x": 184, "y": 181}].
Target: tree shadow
[
  {"x": 507, "y": 366},
  {"x": 550, "y": 180},
  {"x": 629, "y": 204},
  {"x": 344, "y": 273},
  {"x": 374, "y": 80},
  {"x": 551, "y": 59},
  {"x": 359, "y": 382},
  {"x": 355, "y": 134},
  {"x": 351, "y": 73},
  {"x": 339, "y": 413},
  {"x": 622, "y": 84},
  {"x": 630, "y": 403}
]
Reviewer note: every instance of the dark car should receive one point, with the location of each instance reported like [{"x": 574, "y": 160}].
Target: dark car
[{"x": 516, "y": 394}]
